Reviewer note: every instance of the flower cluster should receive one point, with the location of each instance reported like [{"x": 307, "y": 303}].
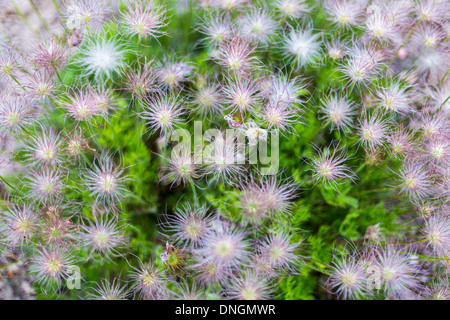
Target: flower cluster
[{"x": 354, "y": 104}]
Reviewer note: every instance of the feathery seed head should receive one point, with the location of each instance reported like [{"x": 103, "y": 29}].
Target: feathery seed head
[
  {"x": 338, "y": 110},
  {"x": 21, "y": 223},
  {"x": 102, "y": 57},
  {"x": 348, "y": 278},
  {"x": 103, "y": 236},
  {"x": 143, "y": 19},
  {"x": 163, "y": 112},
  {"x": 373, "y": 131},
  {"x": 106, "y": 290},
  {"x": 105, "y": 181},
  {"x": 292, "y": 9},
  {"x": 257, "y": 25},
  {"x": 49, "y": 265},
  {"x": 302, "y": 46}
]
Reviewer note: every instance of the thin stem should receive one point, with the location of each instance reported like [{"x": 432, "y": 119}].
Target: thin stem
[
  {"x": 57, "y": 74},
  {"x": 404, "y": 243},
  {"x": 195, "y": 195},
  {"x": 375, "y": 190},
  {"x": 443, "y": 79},
  {"x": 58, "y": 9},
  {"x": 17, "y": 81},
  {"x": 41, "y": 19},
  {"x": 317, "y": 269},
  {"x": 24, "y": 19},
  {"x": 8, "y": 184}
]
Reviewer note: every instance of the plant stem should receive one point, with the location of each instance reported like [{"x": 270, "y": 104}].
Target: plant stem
[
  {"x": 24, "y": 19},
  {"x": 194, "y": 193},
  {"x": 41, "y": 19}
]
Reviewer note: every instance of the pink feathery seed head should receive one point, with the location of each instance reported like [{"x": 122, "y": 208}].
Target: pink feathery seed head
[
  {"x": 103, "y": 99},
  {"x": 86, "y": 15},
  {"x": 173, "y": 74},
  {"x": 336, "y": 49},
  {"x": 394, "y": 98},
  {"x": 40, "y": 85},
  {"x": 257, "y": 25},
  {"x": 437, "y": 233},
  {"x": 415, "y": 178},
  {"x": 58, "y": 231},
  {"x": 279, "y": 251},
  {"x": 338, "y": 110},
  {"x": 433, "y": 124},
  {"x": 16, "y": 113},
  {"x": 362, "y": 65},
  {"x": 428, "y": 36},
  {"x": 328, "y": 166},
  {"x": 50, "y": 265},
  {"x": 284, "y": 92},
  {"x": 345, "y": 14},
  {"x": 163, "y": 113},
  {"x": 302, "y": 46},
  {"x": 279, "y": 194},
  {"x": 437, "y": 150},
  {"x": 373, "y": 131},
  {"x": 432, "y": 64},
  {"x": 439, "y": 289},
  {"x": 20, "y": 224},
  {"x": 250, "y": 286},
  {"x": 76, "y": 144},
  {"x": 9, "y": 60},
  {"x": 188, "y": 225},
  {"x": 440, "y": 97},
  {"x": 230, "y": 5},
  {"x": 58, "y": 209},
  {"x": 395, "y": 270},
  {"x": 105, "y": 180},
  {"x": 149, "y": 281},
  {"x": 398, "y": 12},
  {"x": 50, "y": 55},
  {"x": 106, "y": 290},
  {"x": 292, "y": 9},
  {"x": 242, "y": 95},
  {"x": 225, "y": 246},
  {"x": 432, "y": 11},
  {"x": 187, "y": 291},
  {"x": 373, "y": 157},
  {"x": 348, "y": 279},
  {"x": 81, "y": 105},
  {"x": 262, "y": 266},
  {"x": 253, "y": 202},
  {"x": 280, "y": 117},
  {"x": 217, "y": 29},
  {"x": 209, "y": 271},
  {"x": 380, "y": 27},
  {"x": 44, "y": 148},
  {"x": 224, "y": 158},
  {"x": 143, "y": 19},
  {"x": 45, "y": 185},
  {"x": 208, "y": 98},
  {"x": 181, "y": 169},
  {"x": 236, "y": 56},
  {"x": 141, "y": 81},
  {"x": 401, "y": 141},
  {"x": 103, "y": 235}
]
